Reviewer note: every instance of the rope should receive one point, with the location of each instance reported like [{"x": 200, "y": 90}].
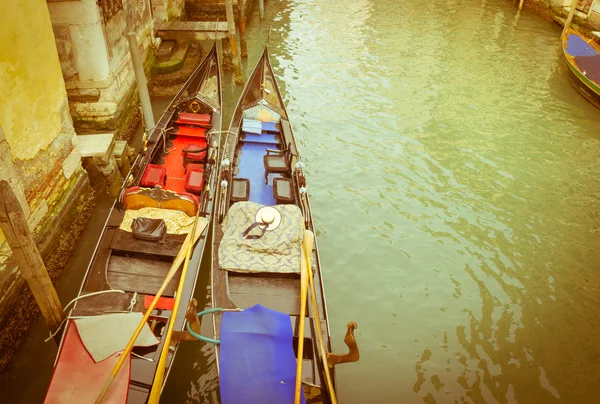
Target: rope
[
  {"x": 198, "y": 336},
  {"x": 209, "y": 311},
  {"x": 52, "y": 334},
  {"x": 133, "y": 302}
]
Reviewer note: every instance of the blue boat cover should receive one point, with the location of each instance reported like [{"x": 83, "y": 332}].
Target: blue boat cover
[
  {"x": 577, "y": 46},
  {"x": 269, "y": 127},
  {"x": 264, "y": 138},
  {"x": 251, "y": 126},
  {"x": 257, "y": 361},
  {"x": 252, "y": 167}
]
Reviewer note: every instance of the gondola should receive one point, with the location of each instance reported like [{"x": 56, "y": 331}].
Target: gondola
[
  {"x": 169, "y": 188},
  {"x": 263, "y": 252},
  {"x": 583, "y": 59}
]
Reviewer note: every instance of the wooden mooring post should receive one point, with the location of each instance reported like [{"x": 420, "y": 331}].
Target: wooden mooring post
[
  {"x": 521, "y": 4},
  {"x": 242, "y": 26},
  {"x": 569, "y": 18},
  {"x": 27, "y": 257},
  {"x": 235, "y": 55},
  {"x": 261, "y": 8},
  {"x": 140, "y": 79}
]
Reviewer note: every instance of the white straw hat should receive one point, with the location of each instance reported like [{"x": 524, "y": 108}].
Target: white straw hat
[{"x": 270, "y": 216}]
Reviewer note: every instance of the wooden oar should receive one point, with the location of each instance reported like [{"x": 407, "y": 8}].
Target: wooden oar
[
  {"x": 191, "y": 239},
  {"x": 307, "y": 246},
  {"x": 303, "y": 295},
  {"x": 164, "y": 355}
]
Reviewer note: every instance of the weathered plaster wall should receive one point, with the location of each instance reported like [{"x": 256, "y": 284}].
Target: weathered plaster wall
[
  {"x": 95, "y": 61},
  {"x": 38, "y": 145},
  {"x": 25, "y": 89}
]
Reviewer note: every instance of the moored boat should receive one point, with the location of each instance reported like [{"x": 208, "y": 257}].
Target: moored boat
[
  {"x": 583, "y": 59},
  {"x": 167, "y": 196},
  {"x": 265, "y": 257}
]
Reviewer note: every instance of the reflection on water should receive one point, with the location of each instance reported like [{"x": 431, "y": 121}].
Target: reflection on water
[{"x": 453, "y": 173}]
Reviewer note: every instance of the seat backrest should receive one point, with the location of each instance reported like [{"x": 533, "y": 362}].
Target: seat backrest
[{"x": 136, "y": 198}]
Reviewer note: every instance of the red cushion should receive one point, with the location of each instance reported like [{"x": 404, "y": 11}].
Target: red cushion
[
  {"x": 194, "y": 119},
  {"x": 154, "y": 175},
  {"x": 194, "y": 180},
  {"x": 189, "y": 153}
]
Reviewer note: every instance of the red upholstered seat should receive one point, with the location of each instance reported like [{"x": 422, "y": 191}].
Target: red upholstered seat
[
  {"x": 194, "y": 180},
  {"x": 194, "y": 119},
  {"x": 153, "y": 175},
  {"x": 199, "y": 167},
  {"x": 194, "y": 154}
]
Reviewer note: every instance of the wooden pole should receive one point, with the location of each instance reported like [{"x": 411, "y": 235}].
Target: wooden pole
[
  {"x": 242, "y": 24},
  {"x": 26, "y": 255},
  {"x": 261, "y": 8},
  {"x": 300, "y": 357},
  {"x": 570, "y": 17},
  {"x": 521, "y": 4},
  {"x": 235, "y": 56},
  {"x": 142, "y": 83}
]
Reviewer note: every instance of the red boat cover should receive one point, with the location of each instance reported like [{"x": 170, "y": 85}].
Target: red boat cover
[
  {"x": 77, "y": 379},
  {"x": 164, "y": 303}
]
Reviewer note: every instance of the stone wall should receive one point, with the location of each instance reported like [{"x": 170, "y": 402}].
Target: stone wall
[
  {"x": 586, "y": 17},
  {"x": 38, "y": 146},
  {"x": 212, "y": 10},
  {"x": 169, "y": 10},
  {"x": 91, "y": 37}
]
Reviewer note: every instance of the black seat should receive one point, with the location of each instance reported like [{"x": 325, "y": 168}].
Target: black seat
[
  {"x": 283, "y": 190},
  {"x": 240, "y": 190},
  {"x": 276, "y": 161}
]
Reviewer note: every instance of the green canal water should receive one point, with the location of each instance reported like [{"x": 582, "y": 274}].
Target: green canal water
[{"x": 454, "y": 179}]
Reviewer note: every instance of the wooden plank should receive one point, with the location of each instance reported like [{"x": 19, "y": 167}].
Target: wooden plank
[
  {"x": 142, "y": 284},
  {"x": 277, "y": 293},
  {"x": 106, "y": 302},
  {"x": 288, "y": 137},
  {"x": 96, "y": 278},
  {"x": 140, "y": 275},
  {"x": 139, "y": 266},
  {"x": 191, "y": 35},
  {"x": 97, "y": 145},
  {"x": 199, "y": 26},
  {"x": 115, "y": 218},
  {"x": 169, "y": 247}
]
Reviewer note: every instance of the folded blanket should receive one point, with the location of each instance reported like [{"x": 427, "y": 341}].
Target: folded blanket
[{"x": 276, "y": 250}]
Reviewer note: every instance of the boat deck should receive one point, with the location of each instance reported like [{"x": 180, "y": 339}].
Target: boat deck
[{"x": 251, "y": 166}]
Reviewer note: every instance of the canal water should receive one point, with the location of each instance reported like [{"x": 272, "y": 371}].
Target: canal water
[{"x": 454, "y": 179}]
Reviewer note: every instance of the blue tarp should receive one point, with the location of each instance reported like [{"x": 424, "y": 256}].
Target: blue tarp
[
  {"x": 257, "y": 361},
  {"x": 577, "y": 46}
]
